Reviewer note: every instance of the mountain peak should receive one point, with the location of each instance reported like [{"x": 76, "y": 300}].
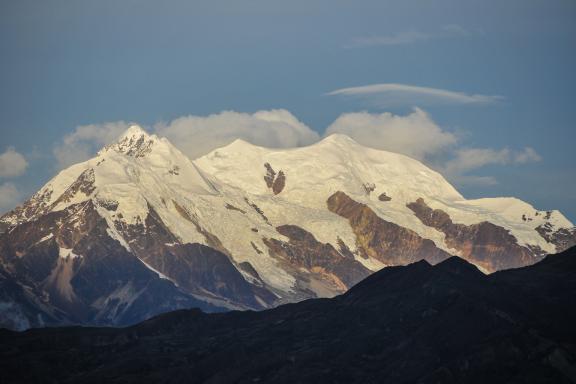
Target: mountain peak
[
  {"x": 241, "y": 143},
  {"x": 238, "y": 145},
  {"x": 133, "y": 130},
  {"x": 340, "y": 139},
  {"x": 135, "y": 142}
]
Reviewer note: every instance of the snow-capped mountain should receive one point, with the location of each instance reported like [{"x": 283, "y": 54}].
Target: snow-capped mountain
[{"x": 141, "y": 229}]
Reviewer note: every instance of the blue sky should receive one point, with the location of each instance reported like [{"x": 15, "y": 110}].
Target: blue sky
[{"x": 493, "y": 81}]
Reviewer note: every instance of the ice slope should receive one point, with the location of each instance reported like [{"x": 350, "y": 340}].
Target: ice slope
[
  {"x": 223, "y": 191},
  {"x": 140, "y": 171},
  {"x": 338, "y": 163}
]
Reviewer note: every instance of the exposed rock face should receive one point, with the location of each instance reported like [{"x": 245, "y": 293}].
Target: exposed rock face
[
  {"x": 36, "y": 205},
  {"x": 258, "y": 210},
  {"x": 384, "y": 197},
  {"x": 387, "y": 242},
  {"x": 304, "y": 251},
  {"x": 248, "y": 268},
  {"x": 233, "y": 208},
  {"x": 487, "y": 245},
  {"x": 562, "y": 238},
  {"x": 196, "y": 268},
  {"x": 275, "y": 182},
  {"x": 279, "y": 183},
  {"x": 84, "y": 184},
  {"x": 369, "y": 188},
  {"x": 108, "y": 204},
  {"x": 258, "y": 251},
  {"x": 270, "y": 175},
  {"x": 135, "y": 145},
  {"x": 41, "y": 203},
  {"x": 66, "y": 268}
]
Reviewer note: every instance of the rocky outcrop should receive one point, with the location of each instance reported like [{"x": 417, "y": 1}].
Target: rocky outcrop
[
  {"x": 562, "y": 238},
  {"x": 136, "y": 145},
  {"x": 255, "y": 247},
  {"x": 275, "y": 182},
  {"x": 233, "y": 208},
  {"x": 279, "y": 183},
  {"x": 369, "y": 188},
  {"x": 84, "y": 184},
  {"x": 485, "y": 244},
  {"x": 384, "y": 197},
  {"x": 258, "y": 210},
  {"x": 40, "y": 203},
  {"x": 270, "y": 175},
  {"x": 249, "y": 269},
  {"x": 385, "y": 241},
  {"x": 108, "y": 204},
  {"x": 304, "y": 251}
]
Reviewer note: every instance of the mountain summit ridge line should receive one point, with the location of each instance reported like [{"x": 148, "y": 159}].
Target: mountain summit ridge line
[{"x": 244, "y": 227}]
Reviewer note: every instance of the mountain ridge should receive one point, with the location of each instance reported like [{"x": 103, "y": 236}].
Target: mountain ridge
[{"x": 246, "y": 227}]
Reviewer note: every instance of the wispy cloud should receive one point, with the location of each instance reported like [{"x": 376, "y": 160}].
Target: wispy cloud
[
  {"x": 391, "y": 94},
  {"x": 81, "y": 144},
  {"x": 466, "y": 160},
  {"x": 12, "y": 163},
  {"x": 410, "y": 37},
  {"x": 9, "y": 196},
  {"x": 401, "y": 38}
]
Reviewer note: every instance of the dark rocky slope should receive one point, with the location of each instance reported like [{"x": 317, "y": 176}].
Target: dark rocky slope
[
  {"x": 99, "y": 282},
  {"x": 385, "y": 241},
  {"x": 447, "y": 323},
  {"x": 484, "y": 244}
]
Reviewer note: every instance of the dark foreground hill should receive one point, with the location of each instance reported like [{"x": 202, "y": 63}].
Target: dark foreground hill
[{"x": 447, "y": 323}]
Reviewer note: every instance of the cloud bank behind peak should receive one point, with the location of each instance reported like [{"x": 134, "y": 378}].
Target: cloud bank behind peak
[
  {"x": 198, "y": 135},
  {"x": 414, "y": 134}
]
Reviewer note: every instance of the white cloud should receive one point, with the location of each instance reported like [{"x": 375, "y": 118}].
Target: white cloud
[
  {"x": 390, "y": 94},
  {"x": 198, "y": 135},
  {"x": 194, "y": 135},
  {"x": 415, "y": 135},
  {"x": 418, "y": 136},
  {"x": 468, "y": 159},
  {"x": 9, "y": 197},
  {"x": 12, "y": 163},
  {"x": 86, "y": 140},
  {"x": 528, "y": 155}
]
